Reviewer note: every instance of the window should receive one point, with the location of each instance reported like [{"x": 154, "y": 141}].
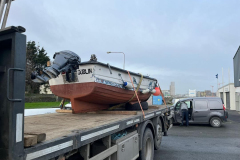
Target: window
[
  {"x": 178, "y": 106},
  {"x": 188, "y": 104},
  {"x": 201, "y": 104},
  {"x": 215, "y": 104}
]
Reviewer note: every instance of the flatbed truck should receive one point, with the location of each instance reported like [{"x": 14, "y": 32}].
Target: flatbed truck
[{"x": 88, "y": 136}]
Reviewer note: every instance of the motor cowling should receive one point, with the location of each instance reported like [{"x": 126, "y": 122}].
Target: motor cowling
[{"x": 64, "y": 61}]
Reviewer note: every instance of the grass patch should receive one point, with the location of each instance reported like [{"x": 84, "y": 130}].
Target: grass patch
[{"x": 36, "y": 105}]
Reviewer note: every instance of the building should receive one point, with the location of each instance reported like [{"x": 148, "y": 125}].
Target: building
[
  {"x": 166, "y": 93},
  {"x": 227, "y": 93},
  {"x": 236, "y": 68},
  {"x": 198, "y": 94},
  {"x": 172, "y": 89},
  {"x": 230, "y": 93},
  {"x": 192, "y": 93},
  {"x": 206, "y": 93}
]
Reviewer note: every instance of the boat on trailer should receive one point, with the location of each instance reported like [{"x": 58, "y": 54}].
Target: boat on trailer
[{"x": 92, "y": 85}]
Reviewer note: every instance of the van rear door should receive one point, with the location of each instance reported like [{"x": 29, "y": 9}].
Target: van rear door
[{"x": 217, "y": 108}]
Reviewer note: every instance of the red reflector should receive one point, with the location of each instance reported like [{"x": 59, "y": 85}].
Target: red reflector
[
  {"x": 224, "y": 107},
  {"x": 63, "y": 72}
]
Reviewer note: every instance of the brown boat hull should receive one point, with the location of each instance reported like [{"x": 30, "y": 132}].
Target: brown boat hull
[{"x": 92, "y": 96}]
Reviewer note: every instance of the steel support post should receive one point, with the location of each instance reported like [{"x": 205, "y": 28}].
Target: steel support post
[
  {"x": 107, "y": 143},
  {"x": 85, "y": 152},
  {"x": 12, "y": 89}
]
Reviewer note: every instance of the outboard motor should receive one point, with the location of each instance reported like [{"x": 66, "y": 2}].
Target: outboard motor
[{"x": 64, "y": 61}]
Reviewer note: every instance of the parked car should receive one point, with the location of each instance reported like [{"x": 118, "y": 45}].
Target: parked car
[
  {"x": 202, "y": 110},
  {"x": 175, "y": 100},
  {"x": 68, "y": 106}
]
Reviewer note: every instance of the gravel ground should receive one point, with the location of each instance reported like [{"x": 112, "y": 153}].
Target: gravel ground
[{"x": 202, "y": 142}]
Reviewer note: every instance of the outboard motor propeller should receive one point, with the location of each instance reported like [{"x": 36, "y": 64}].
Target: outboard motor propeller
[{"x": 64, "y": 61}]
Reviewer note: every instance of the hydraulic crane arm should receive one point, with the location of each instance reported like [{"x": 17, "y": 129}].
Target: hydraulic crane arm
[{"x": 2, "y": 6}]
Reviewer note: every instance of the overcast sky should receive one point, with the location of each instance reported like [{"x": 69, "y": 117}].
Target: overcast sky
[{"x": 185, "y": 41}]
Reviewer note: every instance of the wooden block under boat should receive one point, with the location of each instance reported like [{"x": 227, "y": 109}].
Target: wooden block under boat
[
  {"x": 30, "y": 140},
  {"x": 153, "y": 107},
  {"x": 40, "y": 136},
  {"x": 156, "y": 107},
  {"x": 101, "y": 112},
  {"x": 64, "y": 111}
]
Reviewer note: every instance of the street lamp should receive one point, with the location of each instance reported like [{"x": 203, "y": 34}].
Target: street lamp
[
  {"x": 123, "y": 55},
  {"x": 212, "y": 90}
]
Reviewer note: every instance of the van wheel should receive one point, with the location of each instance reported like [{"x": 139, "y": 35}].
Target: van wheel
[
  {"x": 158, "y": 136},
  {"x": 147, "y": 151},
  {"x": 215, "y": 122}
]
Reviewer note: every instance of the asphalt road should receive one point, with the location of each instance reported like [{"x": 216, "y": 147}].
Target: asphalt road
[{"x": 202, "y": 142}]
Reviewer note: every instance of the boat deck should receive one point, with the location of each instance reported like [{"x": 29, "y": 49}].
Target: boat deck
[{"x": 57, "y": 125}]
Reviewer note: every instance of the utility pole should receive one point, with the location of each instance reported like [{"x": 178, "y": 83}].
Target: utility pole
[
  {"x": 229, "y": 80},
  {"x": 217, "y": 84},
  {"x": 222, "y": 78},
  {"x": 228, "y": 75},
  {"x": 222, "y": 86},
  {"x": 212, "y": 90}
]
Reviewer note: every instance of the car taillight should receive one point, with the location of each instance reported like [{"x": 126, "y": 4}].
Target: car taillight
[{"x": 224, "y": 107}]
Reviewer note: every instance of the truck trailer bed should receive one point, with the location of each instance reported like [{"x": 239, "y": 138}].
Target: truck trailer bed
[
  {"x": 56, "y": 125},
  {"x": 61, "y": 124},
  {"x": 67, "y": 132}
]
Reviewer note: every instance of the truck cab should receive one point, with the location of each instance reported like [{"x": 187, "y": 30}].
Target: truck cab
[{"x": 202, "y": 110}]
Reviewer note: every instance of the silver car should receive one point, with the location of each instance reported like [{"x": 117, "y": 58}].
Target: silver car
[{"x": 202, "y": 110}]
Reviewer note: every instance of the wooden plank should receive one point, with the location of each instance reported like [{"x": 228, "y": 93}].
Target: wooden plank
[
  {"x": 40, "y": 136},
  {"x": 153, "y": 107},
  {"x": 30, "y": 140},
  {"x": 64, "y": 111},
  {"x": 157, "y": 107},
  {"x": 118, "y": 112}
]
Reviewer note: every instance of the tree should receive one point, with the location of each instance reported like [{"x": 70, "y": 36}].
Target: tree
[{"x": 36, "y": 60}]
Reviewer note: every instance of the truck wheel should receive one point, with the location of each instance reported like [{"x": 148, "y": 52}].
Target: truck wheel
[
  {"x": 215, "y": 122},
  {"x": 147, "y": 151},
  {"x": 136, "y": 106},
  {"x": 158, "y": 137}
]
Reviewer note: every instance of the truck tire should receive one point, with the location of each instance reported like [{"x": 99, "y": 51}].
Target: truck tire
[
  {"x": 136, "y": 106},
  {"x": 147, "y": 152},
  {"x": 158, "y": 135},
  {"x": 215, "y": 122}
]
